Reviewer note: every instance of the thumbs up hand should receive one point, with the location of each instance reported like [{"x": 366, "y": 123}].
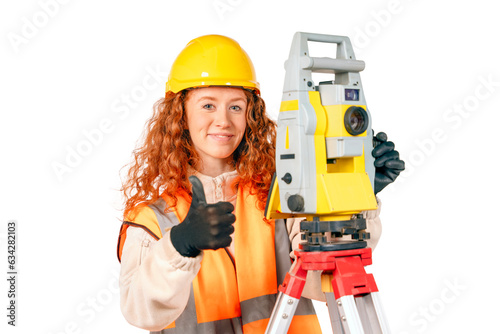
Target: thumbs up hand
[{"x": 206, "y": 226}]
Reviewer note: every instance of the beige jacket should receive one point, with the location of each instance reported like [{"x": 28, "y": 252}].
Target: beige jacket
[{"x": 155, "y": 280}]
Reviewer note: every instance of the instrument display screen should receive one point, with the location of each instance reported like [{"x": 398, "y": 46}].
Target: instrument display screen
[{"x": 351, "y": 94}]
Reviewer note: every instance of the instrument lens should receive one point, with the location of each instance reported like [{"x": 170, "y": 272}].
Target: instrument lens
[{"x": 356, "y": 120}]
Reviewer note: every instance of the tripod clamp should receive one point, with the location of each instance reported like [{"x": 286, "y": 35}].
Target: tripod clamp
[{"x": 323, "y": 235}]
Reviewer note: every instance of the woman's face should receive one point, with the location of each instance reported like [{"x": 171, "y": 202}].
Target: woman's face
[{"x": 216, "y": 119}]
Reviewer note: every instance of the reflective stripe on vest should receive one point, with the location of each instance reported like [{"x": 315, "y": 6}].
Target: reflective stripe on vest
[
  {"x": 186, "y": 323},
  {"x": 222, "y": 312}
]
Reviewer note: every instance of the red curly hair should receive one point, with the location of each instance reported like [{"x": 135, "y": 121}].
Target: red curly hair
[{"x": 159, "y": 164}]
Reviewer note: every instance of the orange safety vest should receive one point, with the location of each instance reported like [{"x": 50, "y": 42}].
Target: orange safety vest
[{"x": 232, "y": 295}]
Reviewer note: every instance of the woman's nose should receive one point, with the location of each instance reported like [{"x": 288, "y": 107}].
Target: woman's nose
[{"x": 222, "y": 119}]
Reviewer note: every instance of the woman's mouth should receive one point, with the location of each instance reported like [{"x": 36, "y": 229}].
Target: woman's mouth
[{"x": 221, "y": 136}]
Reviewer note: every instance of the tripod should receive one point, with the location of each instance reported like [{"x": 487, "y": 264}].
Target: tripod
[{"x": 352, "y": 294}]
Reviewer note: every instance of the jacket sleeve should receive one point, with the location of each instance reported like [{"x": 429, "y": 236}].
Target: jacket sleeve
[
  {"x": 312, "y": 289},
  {"x": 155, "y": 280}
]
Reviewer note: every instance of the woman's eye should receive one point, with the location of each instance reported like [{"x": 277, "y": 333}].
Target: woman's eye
[
  {"x": 235, "y": 108},
  {"x": 208, "y": 106}
]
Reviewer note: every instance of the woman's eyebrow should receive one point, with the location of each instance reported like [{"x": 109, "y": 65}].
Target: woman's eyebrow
[
  {"x": 212, "y": 98},
  {"x": 205, "y": 97}
]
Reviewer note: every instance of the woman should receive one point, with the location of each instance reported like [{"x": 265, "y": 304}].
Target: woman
[{"x": 201, "y": 258}]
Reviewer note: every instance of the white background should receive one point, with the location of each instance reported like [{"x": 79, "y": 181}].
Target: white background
[{"x": 74, "y": 70}]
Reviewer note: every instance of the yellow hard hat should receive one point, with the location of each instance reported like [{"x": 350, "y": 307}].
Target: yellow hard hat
[{"x": 212, "y": 60}]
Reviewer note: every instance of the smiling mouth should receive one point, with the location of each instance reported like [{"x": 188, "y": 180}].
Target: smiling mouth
[{"x": 219, "y": 136}]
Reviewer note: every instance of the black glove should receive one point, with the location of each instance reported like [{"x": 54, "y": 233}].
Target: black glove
[
  {"x": 387, "y": 162},
  {"x": 207, "y": 226}
]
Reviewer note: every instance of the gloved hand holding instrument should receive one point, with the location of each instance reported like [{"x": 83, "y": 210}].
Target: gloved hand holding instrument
[
  {"x": 206, "y": 226},
  {"x": 388, "y": 166}
]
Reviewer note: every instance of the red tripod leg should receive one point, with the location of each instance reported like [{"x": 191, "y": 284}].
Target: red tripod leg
[
  {"x": 288, "y": 299},
  {"x": 350, "y": 277},
  {"x": 295, "y": 280}
]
